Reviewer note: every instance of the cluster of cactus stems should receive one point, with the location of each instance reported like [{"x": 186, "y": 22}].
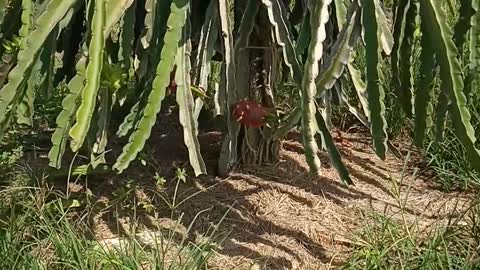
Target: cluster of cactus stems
[{"x": 117, "y": 54}]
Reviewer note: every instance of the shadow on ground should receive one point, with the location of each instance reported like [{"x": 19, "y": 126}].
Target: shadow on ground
[{"x": 277, "y": 217}]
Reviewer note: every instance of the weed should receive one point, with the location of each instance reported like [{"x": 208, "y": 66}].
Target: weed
[
  {"x": 386, "y": 244},
  {"x": 448, "y": 159},
  {"x": 389, "y": 242}
]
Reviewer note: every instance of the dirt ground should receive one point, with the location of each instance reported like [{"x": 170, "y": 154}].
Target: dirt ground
[{"x": 276, "y": 217}]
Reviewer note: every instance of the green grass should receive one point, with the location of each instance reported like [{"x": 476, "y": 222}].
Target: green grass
[
  {"x": 450, "y": 165},
  {"x": 448, "y": 159},
  {"x": 395, "y": 241},
  {"x": 44, "y": 229},
  {"x": 387, "y": 244}
]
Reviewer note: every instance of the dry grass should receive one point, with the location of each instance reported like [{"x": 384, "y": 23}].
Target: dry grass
[{"x": 279, "y": 217}]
